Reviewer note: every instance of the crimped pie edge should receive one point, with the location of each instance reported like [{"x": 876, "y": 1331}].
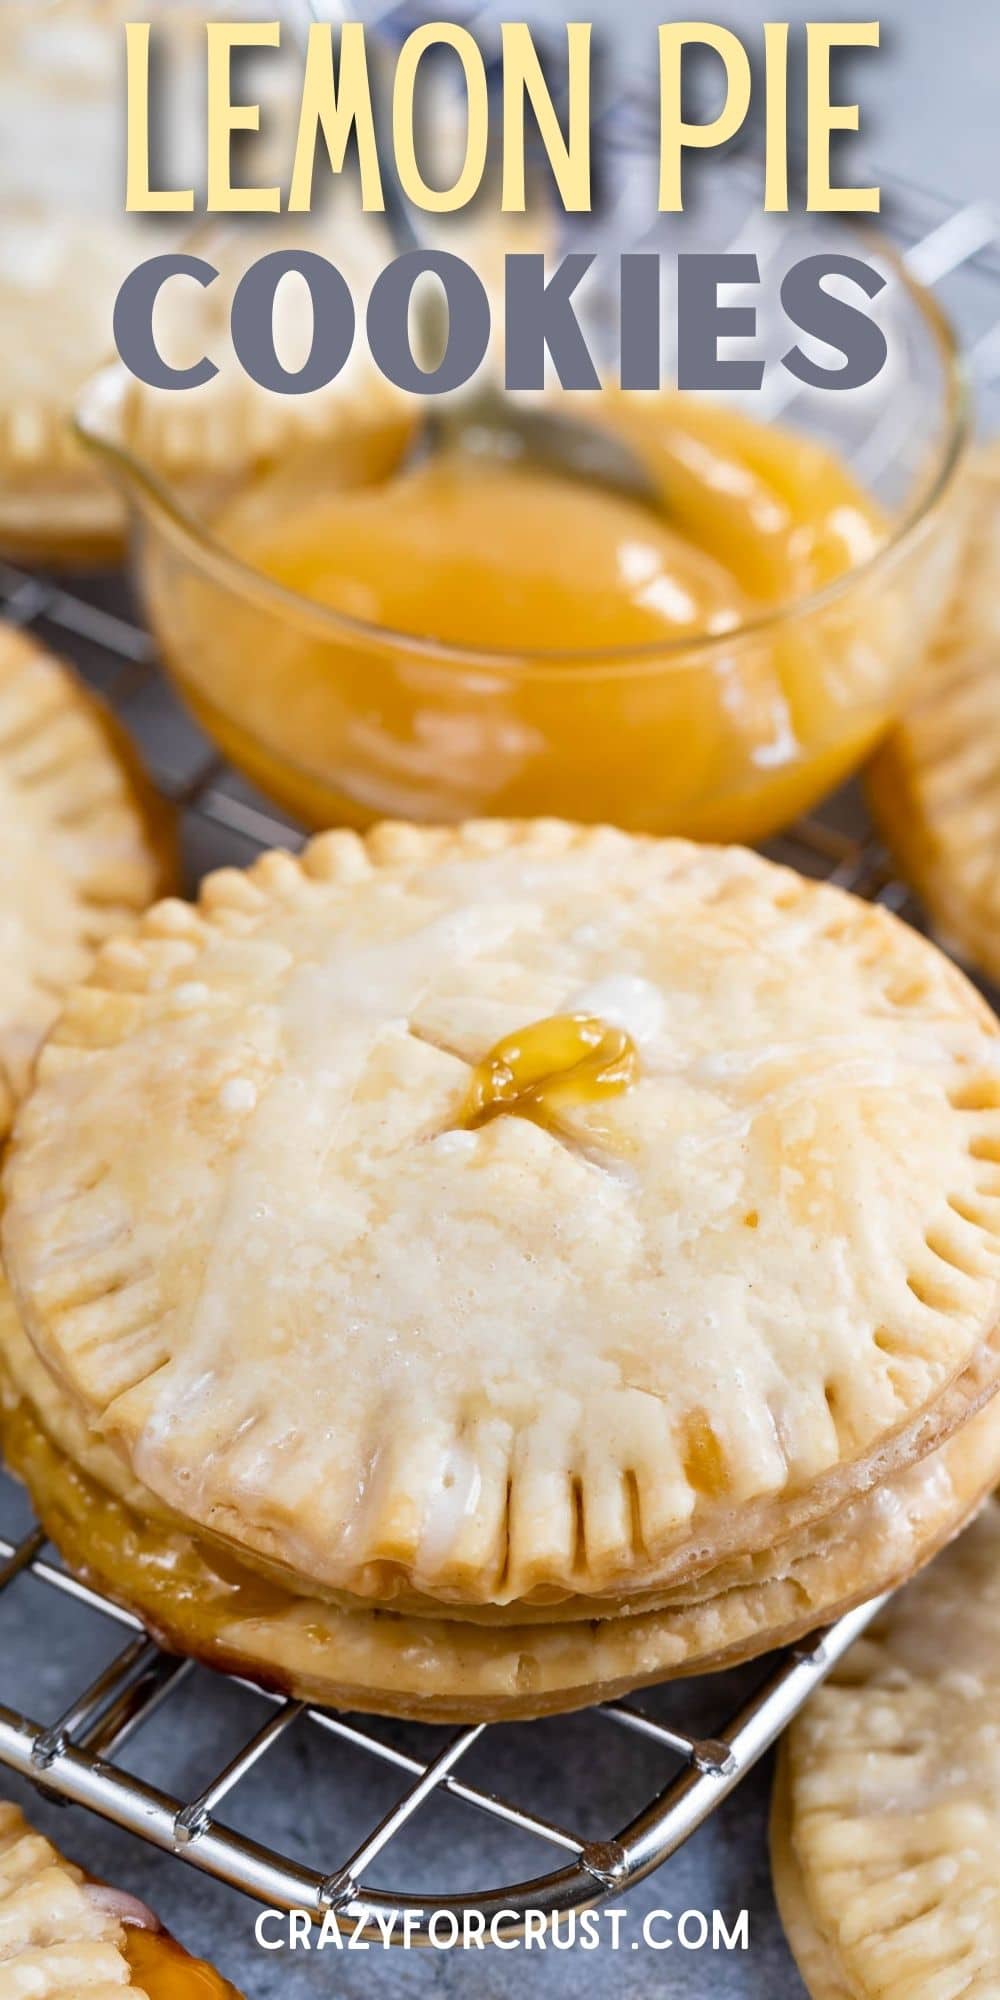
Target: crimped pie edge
[
  {"x": 85, "y": 782},
  {"x": 890, "y": 1781},
  {"x": 133, "y": 976},
  {"x": 428, "y": 1669},
  {"x": 25, "y": 1380},
  {"x": 814, "y": 1954}
]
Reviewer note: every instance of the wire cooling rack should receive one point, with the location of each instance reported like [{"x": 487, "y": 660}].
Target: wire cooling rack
[{"x": 80, "y": 1755}]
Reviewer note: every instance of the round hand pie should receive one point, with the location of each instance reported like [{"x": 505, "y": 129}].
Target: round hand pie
[
  {"x": 934, "y": 785},
  {"x": 887, "y": 1810},
  {"x": 63, "y": 1937},
  {"x": 345, "y": 1216},
  {"x": 84, "y": 845}
]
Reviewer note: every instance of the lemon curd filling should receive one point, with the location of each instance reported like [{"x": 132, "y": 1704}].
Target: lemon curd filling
[
  {"x": 564, "y": 1063},
  {"x": 165, "y": 1972},
  {"x": 459, "y": 635},
  {"x": 475, "y": 551}
]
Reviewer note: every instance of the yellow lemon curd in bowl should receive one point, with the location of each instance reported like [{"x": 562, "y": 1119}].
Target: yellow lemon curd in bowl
[{"x": 369, "y": 636}]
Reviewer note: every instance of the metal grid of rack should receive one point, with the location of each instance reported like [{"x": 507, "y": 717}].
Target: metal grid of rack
[{"x": 78, "y": 1756}]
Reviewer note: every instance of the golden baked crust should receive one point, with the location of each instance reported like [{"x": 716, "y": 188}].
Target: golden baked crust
[
  {"x": 199, "y": 1600},
  {"x": 890, "y": 1791},
  {"x": 325, "y": 1326},
  {"x": 84, "y": 845},
  {"x": 934, "y": 785}
]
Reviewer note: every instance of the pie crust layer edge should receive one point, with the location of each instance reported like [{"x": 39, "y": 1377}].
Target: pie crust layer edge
[{"x": 201, "y": 1602}]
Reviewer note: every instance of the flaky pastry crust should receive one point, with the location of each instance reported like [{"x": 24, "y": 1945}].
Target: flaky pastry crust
[
  {"x": 934, "y": 785},
  {"x": 200, "y": 1601},
  {"x": 84, "y": 846},
  {"x": 331, "y": 1330},
  {"x": 63, "y": 1937}
]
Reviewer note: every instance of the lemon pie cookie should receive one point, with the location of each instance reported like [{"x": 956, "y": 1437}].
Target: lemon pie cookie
[
  {"x": 84, "y": 846},
  {"x": 517, "y": 1214},
  {"x": 887, "y": 1811},
  {"x": 935, "y": 783},
  {"x": 63, "y": 1937}
]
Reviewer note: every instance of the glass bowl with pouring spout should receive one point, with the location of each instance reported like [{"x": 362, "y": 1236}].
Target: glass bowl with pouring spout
[{"x": 729, "y": 732}]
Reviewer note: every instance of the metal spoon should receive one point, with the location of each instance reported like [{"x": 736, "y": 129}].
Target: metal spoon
[{"x": 490, "y": 423}]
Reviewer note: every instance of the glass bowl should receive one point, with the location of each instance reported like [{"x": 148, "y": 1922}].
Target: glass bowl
[{"x": 724, "y": 737}]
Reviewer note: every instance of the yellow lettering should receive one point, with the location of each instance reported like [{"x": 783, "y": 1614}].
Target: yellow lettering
[
  {"x": 524, "y": 82},
  {"x": 676, "y": 134},
  {"x": 139, "y": 196},
  {"x": 225, "y": 117},
  {"x": 440, "y": 201},
  {"x": 336, "y": 104},
  {"x": 776, "y": 122},
  {"x": 826, "y": 118}
]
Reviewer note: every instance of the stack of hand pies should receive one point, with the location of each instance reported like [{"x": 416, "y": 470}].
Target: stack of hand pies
[{"x": 467, "y": 1273}]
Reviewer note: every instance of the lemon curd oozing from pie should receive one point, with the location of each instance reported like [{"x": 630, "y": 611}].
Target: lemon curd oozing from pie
[
  {"x": 567, "y": 1062},
  {"x": 164, "y": 1971},
  {"x": 576, "y": 680}
]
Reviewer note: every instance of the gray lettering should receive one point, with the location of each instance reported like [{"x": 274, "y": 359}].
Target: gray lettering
[
  {"x": 640, "y": 316},
  {"x": 133, "y": 321},
  {"x": 540, "y": 318},
  {"x": 846, "y": 328},
  {"x": 468, "y": 322},
  {"x": 252, "y": 322},
  {"x": 702, "y": 322}
]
